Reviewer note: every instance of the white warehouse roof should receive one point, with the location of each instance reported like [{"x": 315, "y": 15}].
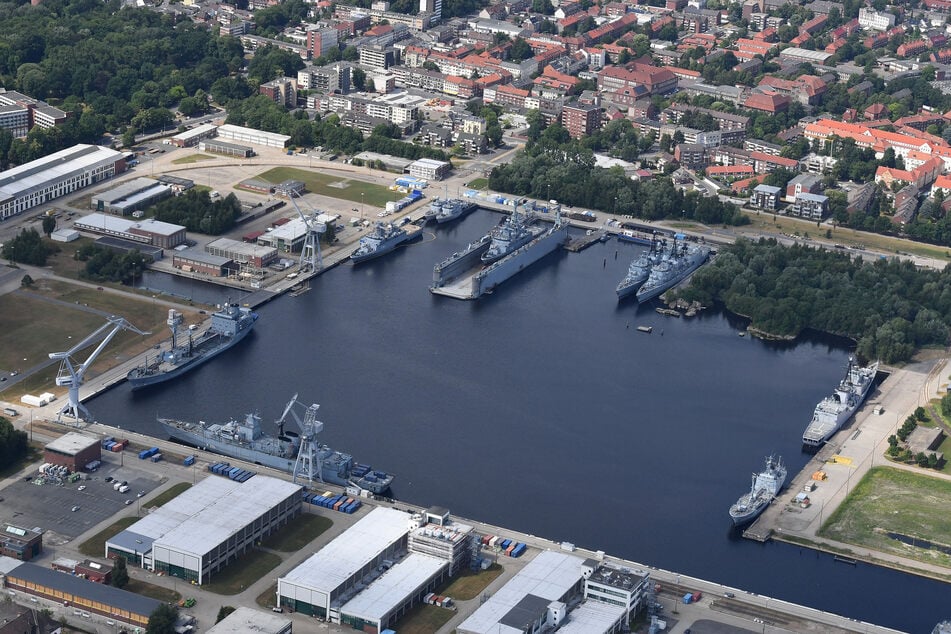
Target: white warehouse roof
[
  {"x": 547, "y": 577},
  {"x": 56, "y": 166},
  {"x": 351, "y": 551},
  {"x": 592, "y": 617},
  {"x": 394, "y": 586},
  {"x": 246, "y": 621},
  {"x": 115, "y": 224},
  {"x": 72, "y": 443}
]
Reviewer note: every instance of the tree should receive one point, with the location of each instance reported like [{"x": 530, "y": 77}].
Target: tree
[
  {"x": 49, "y": 225},
  {"x": 28, "y": 248},
  {"x": 27, "y": 281},
  {"x": 128, "y": 137},
  {"x": 920, "y": 414},
  {"x": 223, "y": 613},
  {"x": 120, "y": 574},
  {"x": 360, "y": 78},
  {"x": 162, "y": 620},
  {"x": 13, "y": 443}
]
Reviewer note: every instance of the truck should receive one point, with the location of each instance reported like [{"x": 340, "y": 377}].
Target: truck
[{"x": 124, "y": 488}]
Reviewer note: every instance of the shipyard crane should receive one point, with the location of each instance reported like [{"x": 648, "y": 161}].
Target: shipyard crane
[
  {"x": 72, "y": 376},
  {"x": 310, "y": 258},
  {"x": 308, "y": 463}
]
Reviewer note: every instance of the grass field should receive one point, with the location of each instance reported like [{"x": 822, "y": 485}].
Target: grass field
[
  {"x": 891, "y": 500},
  {"x": 423, "y": 619},
  {"x": 468, "y": 585},
  {"x": 95, "y": 546},
  {"x": 298, "y": 534},
  {"x": 242, "y": 573},
  {"x": 354, "y": 190},
  {"x": 163, "y": 498},
  {"x": 478, "y": 183},
  {"x": 268, "y": 598},
  {"x": 193, "y": 158},
  {"x": 147, "y": 589}
]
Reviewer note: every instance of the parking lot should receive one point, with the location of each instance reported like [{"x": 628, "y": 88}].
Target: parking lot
[{"x": 26, "y": 505}]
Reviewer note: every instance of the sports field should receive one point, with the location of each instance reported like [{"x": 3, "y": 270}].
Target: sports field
[
  {"x": 334, "y": 186},
  {"x": 898, "y": 512}
]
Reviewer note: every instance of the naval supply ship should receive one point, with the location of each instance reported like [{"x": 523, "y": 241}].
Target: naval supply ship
[
  {"x": 766, "y": 486},
  {"x": 453, "y": 208},
  {"x": 229, "y": 325},
  {"x": 384, "y": 238},
  {"x": 514, "y": 232},
  {"x": 674, "y": 266},
  {"x": 245, "y": 440},
  {"x": 833, "y": 411},
  {"x": 640, "y": 270}
]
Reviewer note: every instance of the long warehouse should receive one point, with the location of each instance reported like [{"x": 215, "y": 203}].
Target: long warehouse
[{"x": 208, "y": 526}]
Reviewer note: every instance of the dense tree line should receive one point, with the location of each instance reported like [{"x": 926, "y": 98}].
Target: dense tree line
[
  {"x": 28, "y": 248},
  {"x": 196, "y": 212},
  {"x": 557, "y": 167},
  {"x": 888, "y": 306},
  {"x": 13, "y": 443},
  {"x": 107, "y": 265}
]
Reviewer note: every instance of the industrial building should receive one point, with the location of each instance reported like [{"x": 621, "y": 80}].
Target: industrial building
[
  {"x": 130, "y": 196},
  {"x": 164, "y": 235},
  {"x": 80, "y": 593},
  {"x": 245, "y": 620},
  {"x": 73, "y": 451},
  {"x": 241, "y": 134},
  {"x": 618, "y": 587},
  {"x": 254, "y": 255},
  {"x": 195, "y": 261},
  {"x": 393, "y": 594},
  {"x": 429, "y": 169},
  {"x": 208, "y": 526},
  {"x": 323, "y": 583},
  {"x": 287, "y": 238},
  {"x": 534, "y": 599},
  {"x": 218, "y": 146},
  {"x": 20, "y": 543},
  {"x": 451, "y": 542},
  {"x": 61, "y": 173},
  {"x": 190, "y": 138}
]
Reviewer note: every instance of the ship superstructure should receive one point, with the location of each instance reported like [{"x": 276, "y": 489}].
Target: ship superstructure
[{"x": 834, "y": 410}]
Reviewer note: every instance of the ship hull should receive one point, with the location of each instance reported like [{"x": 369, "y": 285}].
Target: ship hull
[
  {"x": 489, "y": 257},
  {"x": 811, "y": 442},
  {"x": 139, "y": 382},
  {"x": 456, "y": 212},
  {"x": 626, "y": 290},
  {"x": 227, "y": 449},
  {"x": 383, "y": 250},
  {"x": 645, "y": 295},
  {"x": 742, "y": 519}
]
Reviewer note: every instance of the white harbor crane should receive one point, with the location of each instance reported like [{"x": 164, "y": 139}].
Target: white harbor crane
[
  {"x": 310, "y": 258},
  {"x": 308, "y": 465},
  {"x": 72, "y": 377}
]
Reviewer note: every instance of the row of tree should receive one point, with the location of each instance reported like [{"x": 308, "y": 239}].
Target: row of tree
[
  {"x": 888, "y": 306},
  {"x": 13, "y": 443},
  {"x": 28, "y": 248},
  {"x": 106, "y": 265}
]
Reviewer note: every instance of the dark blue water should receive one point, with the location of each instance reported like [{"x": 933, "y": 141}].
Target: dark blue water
[{"x": 543, "y": 409}]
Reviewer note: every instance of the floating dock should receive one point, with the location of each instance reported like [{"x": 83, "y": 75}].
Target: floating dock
[
  {"x": 463, "y": 276},
  {"x": 583, "y": 242}
]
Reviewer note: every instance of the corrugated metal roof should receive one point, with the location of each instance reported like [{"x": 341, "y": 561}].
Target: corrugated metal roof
[
  {"x": 394, "y": 586},
  {"x": 58, "y": 165}
]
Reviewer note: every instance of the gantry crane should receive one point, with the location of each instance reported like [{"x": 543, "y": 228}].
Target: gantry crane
[
  {"x": 72, "y": 377},
  {"x": 310, "y": 258}
]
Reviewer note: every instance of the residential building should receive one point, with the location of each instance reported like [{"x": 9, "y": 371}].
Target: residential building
[
  {"x": 377, "y": 56},
  {"x": 320, "y": 41},
  {"x": 327, "y": 79},
  {"x": 581, "y": 120},
  {"x": 765, "y": 197},
  {"x": 802, "y": 184},
  {"x": 869, "y": 18},
  {"x": 282, "y": 91},
  {"x": 430, "y": 169},
  {"x": 809, "y": 206},
  {"x": 690, "y": 155}
]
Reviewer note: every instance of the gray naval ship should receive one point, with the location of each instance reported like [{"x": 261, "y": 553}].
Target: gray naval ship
[
  {"x": 453, "y": 208},
  {"x": 384, "y": 238},
  {"x": 640, "y": 269},
  {"x": 246, "y": 440},
  {"x": 833, "y": 411},
  {"x": 766, "y": 486},
  {"x": 674, "y": 266},
  {"x": 514, "y": 232}
]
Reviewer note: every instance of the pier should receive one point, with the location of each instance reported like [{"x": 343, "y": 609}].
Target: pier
[{"x": 581, "y": 243}]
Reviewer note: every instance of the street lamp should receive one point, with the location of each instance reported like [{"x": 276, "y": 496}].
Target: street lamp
[{"x": 362, "y": 195}]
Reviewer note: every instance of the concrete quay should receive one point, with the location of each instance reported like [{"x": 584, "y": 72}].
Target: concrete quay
[{"x": 715, "y": 612}]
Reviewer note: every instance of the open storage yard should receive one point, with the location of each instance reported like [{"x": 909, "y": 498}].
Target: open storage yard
[
  {"x": 334, "y": 186},
  {"x": 898, "y": 512}
]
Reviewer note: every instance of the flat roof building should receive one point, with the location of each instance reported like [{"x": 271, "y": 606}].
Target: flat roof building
[
  {"x": 241, "y": 134},
  {"x": 73, "y": 451},
  {"x": 218, "y": 146},
  {"x": 430, "y": 169},
  {"x": 245, "y": 621},
  {"x": 324, "y": 581},
  {"x": 525, "y": 603},
  {"x": 243, "y": 252},
  {"x": 61, "y": 173},
  {"x": 130, "y": 196},
  {"x": 20, "y": 543},
  {"x": 394, "y": 593},
  {"x": 99, "y": 598},
  {"x": 286, "y": 238},
  {"x": 197, "y": 533},
  {"x": 149, "y": 231},
  {"x": 188, "y": 138},
  {"x": 195, "y": 261}
]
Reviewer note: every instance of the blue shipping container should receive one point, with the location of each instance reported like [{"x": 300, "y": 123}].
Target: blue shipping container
[
  {"x": 189, "y": 461},
  {"x": 505, "y": 544},
  {"x": 517, "y": 552},
  {"x": 143, "y": 454}
]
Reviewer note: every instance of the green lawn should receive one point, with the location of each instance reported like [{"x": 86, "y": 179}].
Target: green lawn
[
  {"x": 334, "y": 186},
  {"x": 242, "y": 573},
  {"x": 468, "y": 585},
  {"x": 162, "y": 498},
  {"x": 193, "y": 158},
  {"x": 423, "y": 619},
  {"x": 95, "y": 546},
  {"x": 147, "y": 589},
  {"x": 890, "y": 500},
  {"x": 300, "y": 532},
  {"x": 268, "y": 598},
  {"x": 478, "y": 183}
]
